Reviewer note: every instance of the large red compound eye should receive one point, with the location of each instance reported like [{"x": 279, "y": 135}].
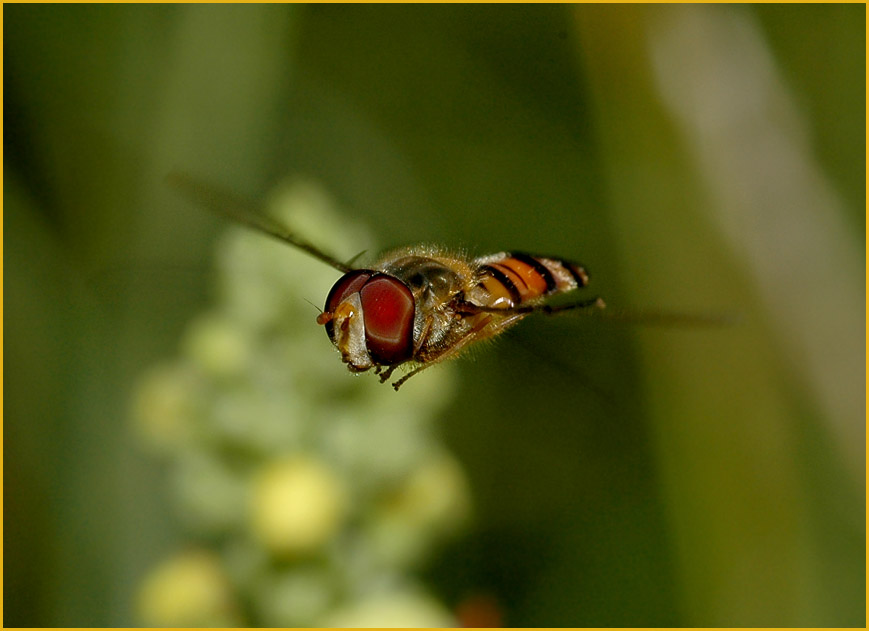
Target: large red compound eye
[
  {"x": 388, "y": 309},
  {"x": 348, "y": 284}
]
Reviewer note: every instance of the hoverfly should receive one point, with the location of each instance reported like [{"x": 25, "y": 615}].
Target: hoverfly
[{"x": 418, "y": 305}]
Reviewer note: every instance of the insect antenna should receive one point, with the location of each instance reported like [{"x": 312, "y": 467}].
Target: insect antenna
[
  {"x": 226, "y": 204},
  {"x": 319, "y": 310}
]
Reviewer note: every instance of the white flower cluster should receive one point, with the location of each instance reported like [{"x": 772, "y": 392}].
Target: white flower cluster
[{"x": 312, "y": 494}]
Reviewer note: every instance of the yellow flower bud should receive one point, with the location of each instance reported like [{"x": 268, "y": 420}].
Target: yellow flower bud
[
  {"x": 297, "y": 505},
  {"x": 435, "y": 496},
  {"x": 431, "y": 501},
  {"x": 189, "y": 590},
  {"x": 164, "y": 407},
  {"x": 405, "y": 609},
  {"x": 218, "y": 346}
]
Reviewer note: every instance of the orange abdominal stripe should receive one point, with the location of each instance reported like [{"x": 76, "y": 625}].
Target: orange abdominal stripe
[
  {"x": 500, "y": 288},
  {"x": 528, "y": 282},
  {"x": 519, "y": 278}
]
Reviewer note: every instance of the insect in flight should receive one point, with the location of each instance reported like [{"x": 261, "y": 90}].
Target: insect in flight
[{"x": 417, "y": 305}]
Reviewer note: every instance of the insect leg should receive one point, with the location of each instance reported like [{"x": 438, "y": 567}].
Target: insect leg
[
  {"x": 487, "y": 327},
  {"x": 593, "y": 303},
  {"x": 398, "y": 383},
  {"x": 384, "y": 374}
]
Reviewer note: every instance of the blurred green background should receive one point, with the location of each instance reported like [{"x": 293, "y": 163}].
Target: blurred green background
[{"x": 695, "y": 158}]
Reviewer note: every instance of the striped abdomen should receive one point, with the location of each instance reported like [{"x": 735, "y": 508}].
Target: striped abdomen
[{"x": 508, "y": 280}]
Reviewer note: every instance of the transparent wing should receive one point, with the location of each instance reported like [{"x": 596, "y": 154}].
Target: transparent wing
[
  {"x": 226, "y": 204},
  {"x": 596, "y": 307}
]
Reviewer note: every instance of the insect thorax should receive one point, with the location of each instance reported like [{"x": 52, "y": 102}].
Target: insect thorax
[{"x": 434, "y": 283}]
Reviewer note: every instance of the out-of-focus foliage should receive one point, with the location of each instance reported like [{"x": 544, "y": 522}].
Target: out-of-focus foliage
[
  {"x": 695, "y": 158},
  {"x": 317, "y": 496}
]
